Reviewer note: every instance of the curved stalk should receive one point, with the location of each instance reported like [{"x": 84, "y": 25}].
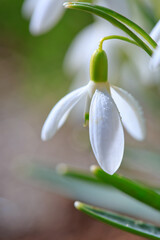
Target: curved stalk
[{"x": 116, "y": 37}]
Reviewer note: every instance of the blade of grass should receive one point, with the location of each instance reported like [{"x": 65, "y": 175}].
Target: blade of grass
[
  {"x": 132, "y": 188},
  {"x": 122, "y": 222},
  {"x": 102, "y": 12},
  {"x": 86, "y": 187},
  {"x": 65, "y": 170},
  {"x": 95, "y": 10}
]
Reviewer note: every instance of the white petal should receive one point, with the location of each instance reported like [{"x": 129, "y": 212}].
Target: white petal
[
  {"x": 29, "y": 7},
  {"x": 106, "y": 132},
  {"x": 59, "y": 113},
  {"x": 131, "y": 113},
  {"x": 155, "y": 33},
  {"x": 79, "y": 81},
  {"x": 155, "y": 59},
  {"x": 63, "y": 119},
  {"x": 46, "y": 15}
]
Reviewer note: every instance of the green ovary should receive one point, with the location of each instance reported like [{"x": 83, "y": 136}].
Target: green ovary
[{"x": 99, "y": 66}]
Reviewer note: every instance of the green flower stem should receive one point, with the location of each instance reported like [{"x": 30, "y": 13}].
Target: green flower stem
[
  {"x": 96, "y": 10},
  {"x": 116, "y": 37},
  {"x": 132, "y": 188}
]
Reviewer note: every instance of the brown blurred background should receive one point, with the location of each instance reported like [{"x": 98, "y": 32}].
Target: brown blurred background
[{"x": 31, "y": 81}]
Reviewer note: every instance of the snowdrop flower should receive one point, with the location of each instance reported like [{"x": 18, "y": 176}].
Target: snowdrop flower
[
  {"x": 103, "y": 104},
  {"x": 44, "y": 14},
  {"x": 155, "y": 34}
]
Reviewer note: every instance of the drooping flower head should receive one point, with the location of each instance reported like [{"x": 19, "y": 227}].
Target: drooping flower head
[{"x": 107, "y": 107}]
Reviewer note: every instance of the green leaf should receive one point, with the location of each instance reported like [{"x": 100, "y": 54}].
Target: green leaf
[
  {"x": 122, "y": 222},
  {"x": 112, "y": 17},
  {"x": 101, "y": 11},
  {"x": 130, "y": 24},
  {"x": 132, "y": 188},
  {"x": 76, "y": 184},
  {"x": 65, "y": 170}
]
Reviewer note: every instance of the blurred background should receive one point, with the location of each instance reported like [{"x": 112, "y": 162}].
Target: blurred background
[{"x": 32, "y": 80}]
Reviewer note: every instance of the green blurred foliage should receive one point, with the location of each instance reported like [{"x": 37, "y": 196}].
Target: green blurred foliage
[{"x": 41, "y": 56}]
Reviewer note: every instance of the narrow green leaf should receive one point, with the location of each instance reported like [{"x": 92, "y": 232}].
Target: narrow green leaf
[
  {"x": 122, "y": 222},
  {"x": 65, "y": 170},
  {"x": 96, "y": 10},
  {"x": 130, "y": 24},
  {"x": 112, "y": 17},
  {"x": 132, "y": 188},
  {"x": 86, "y": 187}
]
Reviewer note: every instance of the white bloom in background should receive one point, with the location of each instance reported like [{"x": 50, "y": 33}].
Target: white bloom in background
[
  {"x": 104, "y": 105},
  {"x": 28, "y": 8},
  {"x": 155, "y": 33},
  {"x": 44, "y": 14},
  {"x": 155, "y": 59},
  {"x": 138, "y": 68}
]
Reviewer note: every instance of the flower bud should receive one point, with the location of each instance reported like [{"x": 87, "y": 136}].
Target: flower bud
[{"x": 99, "y": 66}]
